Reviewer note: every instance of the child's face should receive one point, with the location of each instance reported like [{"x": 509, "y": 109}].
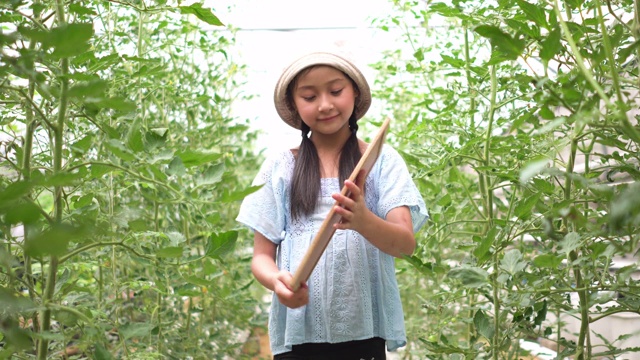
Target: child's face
[{"x": 324, "y": 98}]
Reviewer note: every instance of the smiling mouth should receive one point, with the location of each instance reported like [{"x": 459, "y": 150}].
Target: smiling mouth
[{"x": 328, "y": 118}]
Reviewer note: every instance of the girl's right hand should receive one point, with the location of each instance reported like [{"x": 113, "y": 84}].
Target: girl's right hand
[{"x": 288, "y": 297}]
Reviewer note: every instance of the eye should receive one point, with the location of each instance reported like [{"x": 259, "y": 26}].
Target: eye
[
  {"x": 336, "y": 92},
  {"x": 308, "y": 98}
]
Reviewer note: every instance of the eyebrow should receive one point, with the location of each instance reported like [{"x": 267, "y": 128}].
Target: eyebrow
[{"x": 330, "y": 82}]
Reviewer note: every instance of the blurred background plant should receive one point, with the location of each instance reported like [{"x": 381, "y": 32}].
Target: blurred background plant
[
  {"x": 519, "y": 121},
  {"x": 121, "y": 174}
]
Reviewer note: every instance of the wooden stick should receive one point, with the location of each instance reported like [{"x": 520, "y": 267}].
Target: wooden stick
[{"x": 324, "y": 235}]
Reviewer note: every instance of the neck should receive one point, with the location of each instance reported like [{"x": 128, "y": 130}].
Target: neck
[{"x": 331, "y": 143}]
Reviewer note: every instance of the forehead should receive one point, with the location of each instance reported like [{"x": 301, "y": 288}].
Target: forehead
[{"x": 318, "y": 75}]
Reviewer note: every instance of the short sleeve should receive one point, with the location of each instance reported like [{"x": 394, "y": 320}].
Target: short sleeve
[
  {"x": 264, "y": 210},
  {"x": 396, "y": 188}
]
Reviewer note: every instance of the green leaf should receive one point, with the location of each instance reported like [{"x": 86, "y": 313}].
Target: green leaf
[
  {"x": 456, "y": 63},
  {"x": 240, "y": 194},
  {"x": 48, "y": 335},
  {"x": 512, "y": 262},
  {"x": 155, "y": 138},
  {"x": 116, "y": 103},
  {"x": 472, "y": 277},
  {"x": 509, "y": 47},
  {"x": 134, "y": 137},
  {"x": 626, "y": 207},
  {"x": 543, "y": 186},
  {"x": 551, "y": 125},
  {"x": 195, "y": 158},
  {"x": 176, "y": 167},
  {"x": 24, "y": 213},
  {"x": 541, "y": 312},
  {"x": 83, "y": 201},
  {"x": 13, "y": 303},
  {"x": 70, "y": 39},
  {"x": 624, "y": 53},
  {"x": 62, "y": 179},
  {"x": 570, "y": 242},
  {"x": 119, "y": 150},
  {"x": 221, "y": 244},
  {"x": 92, "y": 89},
  {"x": 53, "y": 241},
  {"x": 187, "y": 290},
  {"x": 83, "y": 145},
  {"x": 551, "y": 45},
  {"x": 97, "y": 170},
  {"x": 138, "y": 225},
  {"x": 201, "y": 13},
  {"x": 18, "y": 338},
  {"x": 419, "y": 55},
  {"x": 191, "y": 279},
  {"x": 531, "y": 31},
  {"x": 546, "y": 114},
  {"x": 78, "y": 9},
  {"x": 483, "y": 324},
  {"x": 428, "y": 268},
  {"x": 628, "y": 129},
  {"x": 14, "y": 191},
  {"x": 101, "y": 353},
  {"x": 170, "y": 252},
  {"x": 523, "y": 207},
  {"x": 533, "y": 13},
  {"x": 212, "y": 175},
  {"x": 134, "y": 330},
  {"x": 549, "y": 261},
  {"x": 482, "y": 251},
  {"x": 532, "y": 169}
]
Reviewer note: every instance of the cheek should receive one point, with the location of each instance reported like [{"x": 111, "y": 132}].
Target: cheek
[
  {"x": 348, "y": 101},
  {"x": 304, "y": 108}
]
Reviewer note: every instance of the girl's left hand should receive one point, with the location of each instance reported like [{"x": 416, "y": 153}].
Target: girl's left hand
[{"x": 353, "y": 209}]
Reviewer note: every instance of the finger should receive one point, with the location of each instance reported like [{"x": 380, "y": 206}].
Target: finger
[
  {"x": 346, "y": 202},
  {"x": 286, "y": 279},
  {"x": 340, "y": 226},
  {"x": 353, "y": 188},
  {"x": 345, "y": 212}
]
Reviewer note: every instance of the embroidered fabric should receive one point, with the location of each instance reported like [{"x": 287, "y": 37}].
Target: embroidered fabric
[{"x": 353, "y": 293}]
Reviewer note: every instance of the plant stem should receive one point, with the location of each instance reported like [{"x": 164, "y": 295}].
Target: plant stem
[
  {"x": 26, "y": 175},
  {"x": 43, "y": 346},
  {"x": 139, "y": 45},
  {"x": 100, "y": 285},
  {"x": 636, "y": 32},
  {"x": 98, "y": 244},
  {"x": 558, "y": 330},
  {"x": 487, "y": 152},
  {"x": 189, "y": 305},
  {"x": 488, "y": 196},
  {"x": 579, "y": 60},
  {"x": 472, "y": 98},
  {"x": 606, "y": 42},
  {"x": 577, "y": 273}
]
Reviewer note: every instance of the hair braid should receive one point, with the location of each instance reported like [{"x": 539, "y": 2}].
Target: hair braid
[{"x": 305, "y": 183}]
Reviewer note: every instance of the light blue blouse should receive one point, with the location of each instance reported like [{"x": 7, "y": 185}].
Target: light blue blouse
[{"x": 353, "y": 293}]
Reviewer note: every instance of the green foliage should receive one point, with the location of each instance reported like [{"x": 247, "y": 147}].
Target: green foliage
[
  {"x": 120, "y": 175},
  {"x": 517, "y": 123}
]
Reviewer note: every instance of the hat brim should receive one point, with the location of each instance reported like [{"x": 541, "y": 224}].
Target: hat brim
[{"x": 289, "y": 115}]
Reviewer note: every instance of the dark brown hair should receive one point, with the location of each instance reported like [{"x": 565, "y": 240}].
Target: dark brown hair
[{"x": 305, "y": 183}]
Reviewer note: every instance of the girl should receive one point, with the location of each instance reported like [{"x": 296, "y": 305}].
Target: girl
[{"x": 350, "y": 307}]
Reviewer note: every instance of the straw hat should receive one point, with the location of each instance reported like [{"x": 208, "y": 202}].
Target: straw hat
[{"x": 289, "y": 114}]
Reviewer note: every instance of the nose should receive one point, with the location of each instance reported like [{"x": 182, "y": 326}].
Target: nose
[{"x": 325, "y": 104}]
